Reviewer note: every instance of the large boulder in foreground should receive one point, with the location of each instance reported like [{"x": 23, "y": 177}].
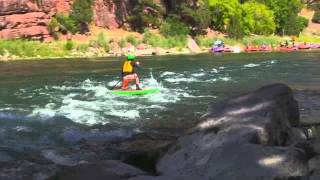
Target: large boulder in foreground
[{"x": 248, "y": 137}]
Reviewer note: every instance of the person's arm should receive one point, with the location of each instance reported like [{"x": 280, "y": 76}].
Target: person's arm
[{"x": 137, "y": 64}]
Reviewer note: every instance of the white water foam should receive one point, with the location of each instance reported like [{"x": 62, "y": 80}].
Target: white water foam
[
  {"x": 90, "y": 102},
  {"x": 251, "y": 65}
]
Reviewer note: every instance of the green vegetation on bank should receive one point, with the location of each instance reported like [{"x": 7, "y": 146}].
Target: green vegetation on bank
[
  {"x": 242, "y": 22},
  {"x": 316, "y": 16},
  {"x": 236, "y": 18},
  {"x": 77, "y": 21}
]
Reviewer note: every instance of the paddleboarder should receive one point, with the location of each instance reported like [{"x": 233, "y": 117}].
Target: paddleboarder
[{"x": 128, "y": 72}]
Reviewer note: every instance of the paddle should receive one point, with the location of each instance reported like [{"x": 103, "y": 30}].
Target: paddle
[{"x": 115, "y": 85}]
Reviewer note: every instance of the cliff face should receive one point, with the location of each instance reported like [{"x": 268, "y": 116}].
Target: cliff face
[
  {"x": 111, "y": 14},
  {"x": 30, "y": 18}
]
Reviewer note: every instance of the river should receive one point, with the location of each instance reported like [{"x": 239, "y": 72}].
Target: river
[{"x": 40, "y": 99}]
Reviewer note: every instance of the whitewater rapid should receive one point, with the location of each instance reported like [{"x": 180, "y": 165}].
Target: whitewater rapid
[{"x": 90, "y": 102}]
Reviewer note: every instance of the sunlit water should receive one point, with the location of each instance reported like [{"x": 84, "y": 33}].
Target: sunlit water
[{"x": 37, "y": 91}]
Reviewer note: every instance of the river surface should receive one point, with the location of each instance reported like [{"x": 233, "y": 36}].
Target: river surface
[{"x": 75, "y": 93}]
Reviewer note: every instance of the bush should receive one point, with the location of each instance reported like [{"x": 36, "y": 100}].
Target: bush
[
  {"x": 133, "y": 40},
  {"x": 174, "y": 27},
  {"x": 24, "y": 48},
  {"x": 53, "y": 25},
  {"x": 204, "y": 41},
  {"x": 66, "y": 23},
  {"x": 54, "y": 28},
  {"x": 83, "y": 47},
  {"x": 302, "y": 23},
  {"x": 82, "y": 14},
  {"x": 235, "y": 28},
  {"x": 199, "y": 17},
  {"x": 69, "y": 45},
  {"x": 145, "y": 14},
  {"x": 100, "y": 41},
  {"x": 286, "y": 15},
  {"x": 295, "y": 25},
  {"x": 223, "y": 11},
  {"x": 259, "y": 40},
  {"x": 316, "y": 17},
  {"x": 257, "y": 19},
  {"x": 164, "y": 42},
  {"x": 122, "y": 43}
]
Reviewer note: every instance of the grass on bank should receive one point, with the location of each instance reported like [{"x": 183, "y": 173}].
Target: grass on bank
[
  {"x": 157, "y": 40},
  {"x": 100, "y": 44},
  {"x": 24, "y": 48}
]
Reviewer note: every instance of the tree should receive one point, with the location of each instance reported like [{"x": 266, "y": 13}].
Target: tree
[
  {"x": 223, "y": 11},
  {"x": 82, "y": 14},
  {"x": 257, "y": 19},
  {"x": 145, "y": 14},
  {"x": 316, "y": 17},
  {"x": 198, "y": 17},
  {"x": 286, "y": 12},
  {"x": 174, "y": 27},
  {"x": 235, "y": 28}
]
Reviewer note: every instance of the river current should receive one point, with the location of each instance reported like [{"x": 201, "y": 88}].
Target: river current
[{"x": 35, "y": 92}]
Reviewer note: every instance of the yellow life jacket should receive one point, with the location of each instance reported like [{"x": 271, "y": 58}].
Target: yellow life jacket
[{"x": 127, "y": 67}]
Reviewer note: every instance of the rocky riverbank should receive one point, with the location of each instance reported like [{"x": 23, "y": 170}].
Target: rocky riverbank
[{"x": 256, "y": 135}]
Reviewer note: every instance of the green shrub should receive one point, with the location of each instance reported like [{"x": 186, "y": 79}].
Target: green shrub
[
  {"x": 295, "y": 25},
  {"x": 66, "y": 23},
  {"x": 83, "y": 47},
  {"x": 198, "y": 17},
  {"x": 54, "y": 28},
  {"x": 25, "y": 48},
  {"x": 259, "y": 40},
  {"x": 69, "y": 45},
  {"x": 102, "y": 42},
  {"x": 257, "y": 19},
  {"x": 122, "y": 43},
  {"x": 174, "y": 27},
  {"x": 82, "y": 13},
  {"x": 204, "y": 41},
  {"x": 133, "y": 40},
  {"x": 146, "y": 13},
  {"x": 53, "y": 25},
  {"x": 164, "y": 42},
  {"x": 235, "y": 28},
  {"x": 316, "y": 17}
]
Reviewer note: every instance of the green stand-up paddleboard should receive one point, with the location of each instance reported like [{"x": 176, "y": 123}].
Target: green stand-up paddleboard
[{"x": 135, "y": 92}]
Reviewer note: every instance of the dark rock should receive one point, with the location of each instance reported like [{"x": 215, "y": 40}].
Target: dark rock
[
  {"x": 315, "y": 176},
  {"x": 74, "y": 135},
  {"x": 4, "y": 157},
  {"x": 315, "y": 145},
  {"x": 58, "y": 159},
  {"x": 314, "y": 164},
  {"x": 114, "y": 170},
  {"x": 309, "y": 106},
  {"x": 25, "y": 170},
  {"x": 271, "y": 108},
  {"x": 168, "y": 178},
  {"x": 246, "y": 137}
]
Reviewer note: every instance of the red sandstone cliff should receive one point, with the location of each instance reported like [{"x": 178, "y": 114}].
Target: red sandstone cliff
[{"x": 29, "y": 18}]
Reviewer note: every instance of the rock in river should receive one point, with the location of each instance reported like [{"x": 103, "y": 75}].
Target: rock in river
[{"x": 247, "y": 137}]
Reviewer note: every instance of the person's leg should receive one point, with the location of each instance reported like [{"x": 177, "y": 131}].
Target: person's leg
[
  {"x": 137, "y": 82},
  {"x": 125, "y": 83}
]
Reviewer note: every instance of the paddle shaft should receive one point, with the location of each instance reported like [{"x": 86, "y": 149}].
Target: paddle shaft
[{"x": 115, "y": 85}]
